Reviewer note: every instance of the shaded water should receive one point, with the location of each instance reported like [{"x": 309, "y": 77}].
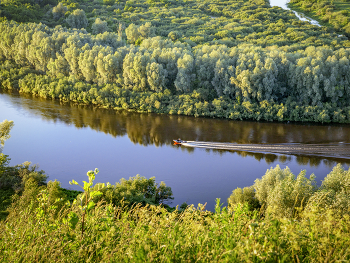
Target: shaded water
[
  {"x": 283, "y": 4},
  {"x": 68, "y": 140}
]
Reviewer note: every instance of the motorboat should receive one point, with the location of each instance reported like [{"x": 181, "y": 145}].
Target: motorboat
[{"x": 179, "y": 141}]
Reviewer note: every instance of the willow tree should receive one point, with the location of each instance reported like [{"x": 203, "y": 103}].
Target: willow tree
[
  {"x": 77, "y": 19},
  {"x": 99, "y": 26},
  {"x": 185, "y": 76},
  {"x": 59, "y": 11}
]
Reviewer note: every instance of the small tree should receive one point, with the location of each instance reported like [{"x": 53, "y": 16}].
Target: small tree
[
  {"x": 5, "y": 128},
  {"x": 242, "y": 196},
  {"x": 131, "y": 33},
  {"x": 134, "y": 33},
  {"x": 86, "y": 199},
  {"x": 99, "y": 26},
  {"x": 146, "y": 30},
  {"x": 77, "y": 19},
  {"x": 174, "y": 35},
  {"x": 59, "y": 11}
]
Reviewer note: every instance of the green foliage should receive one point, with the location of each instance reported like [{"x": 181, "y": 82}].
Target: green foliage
[
  {"x": 138, "y": 33},
  {"x": 242, "y": 196},
  {"x": 16, "y": 176},
  {"x": 150, "y": 233},
  {"x": 5, "y": 128},
  {"x": 236, "y": 60},
  {"x": 334, "y": 193},
  {"x": 281, "y": 194},
  {"x": 59, "y": 11},
  {"x": 334, "y": 14},
  {"x": 136, "y": 190},
  {"x": 70, "y": 195},
  {"x": 86, "y": 199},
  {"x": 22, "y": 10},
  {"x": 99, "y": 26},
  {"x": 6, "y": 196},
  {"x": 77, "y": 19}
]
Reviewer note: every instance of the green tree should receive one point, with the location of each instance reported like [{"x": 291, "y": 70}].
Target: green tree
[
  {"x": 185, "y": 75},
  {"x": 5, "y": 128},
  {"x": 59, "y": 11},
  {"x": 132, "y": 33},
  {"x": 146, "y": 30},
  {"x": 156, "y": 76},
  {"x": 77, "y": 19},
  {"x": 99, "y": 26}
]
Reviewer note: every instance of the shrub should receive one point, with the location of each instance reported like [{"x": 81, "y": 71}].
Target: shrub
[
  {"x": 136, "y": 190},
  {"x": 99, "y": 26},
  {"x": 334, "y": 193},
  {"x": 77, "y": 19},
  {"x": 241, "y": 196},
  {"x": 59, "y": 11}
]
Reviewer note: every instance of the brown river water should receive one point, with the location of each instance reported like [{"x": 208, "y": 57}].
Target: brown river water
[{"x": 67, "y": 140}]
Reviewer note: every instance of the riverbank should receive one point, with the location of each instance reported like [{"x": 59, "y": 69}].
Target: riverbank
[
  {"x": 333, "y": 15},
  {"x": 195, "y": 103},
  {"x": 266, "y": 67},
  {"x": 41, "y": 226},
  {"x": 285, "y": 4}
]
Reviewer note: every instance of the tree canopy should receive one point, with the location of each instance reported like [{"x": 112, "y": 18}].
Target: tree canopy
[{"x": 232, "y": 59}]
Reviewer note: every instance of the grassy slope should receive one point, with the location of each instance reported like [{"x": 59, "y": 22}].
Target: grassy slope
[{"x": 152, "y": 234}]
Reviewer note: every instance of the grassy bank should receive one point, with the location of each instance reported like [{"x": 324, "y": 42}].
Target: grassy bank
[{"x": 42, "y": 227}]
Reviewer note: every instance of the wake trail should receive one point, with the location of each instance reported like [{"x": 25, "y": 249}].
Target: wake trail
[{"x": 339, "y": 150}]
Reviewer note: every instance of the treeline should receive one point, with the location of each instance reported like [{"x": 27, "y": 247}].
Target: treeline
[
  {"x": 206, "y": 22},
  {"x": 150, "y": 129},
  {"x": 334, "y": 13},
  {"x": 243, "y": 82}
]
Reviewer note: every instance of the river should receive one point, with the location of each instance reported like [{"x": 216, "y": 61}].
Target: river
[
  {"x": 283, "y": 4},
  {"x": 68, "y": 140}
]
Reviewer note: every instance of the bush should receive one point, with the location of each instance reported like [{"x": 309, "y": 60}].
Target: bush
[
  {"x": 99, "y": 26},
  {"x": 242, "y": 196},
  {"x": 59, "y": 11},
  {"x": 334, "y": 193},
  {"x": 15, "y": 177},
  {"x": 77, "y": 19},
  {"x": 281, "y": 194},
  {"x": 136, "y": 190}
]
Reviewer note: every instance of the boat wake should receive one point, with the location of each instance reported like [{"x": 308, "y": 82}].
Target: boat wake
[{"x": 338, "y": 150}]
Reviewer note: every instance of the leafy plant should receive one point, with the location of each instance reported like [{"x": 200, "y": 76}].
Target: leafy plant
[{"x": 86, "y": 202}]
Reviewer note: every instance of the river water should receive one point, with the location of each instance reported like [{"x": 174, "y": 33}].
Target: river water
[
  {"x": 67, "y": 141},
  {"x": 283, "y": 4}
]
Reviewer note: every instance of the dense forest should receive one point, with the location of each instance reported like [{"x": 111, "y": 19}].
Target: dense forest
[
  {"x": 281, "y": 218},
  {"x": 214, "y": 58},
  {"x": 226, "y": 59}
]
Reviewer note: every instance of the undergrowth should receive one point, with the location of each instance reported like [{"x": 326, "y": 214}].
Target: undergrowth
[{"x": 42, "y": 226}]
